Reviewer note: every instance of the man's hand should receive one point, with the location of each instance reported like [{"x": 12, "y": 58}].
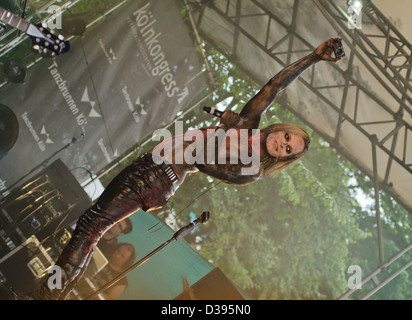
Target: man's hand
[{"x": 325, "y": 50}]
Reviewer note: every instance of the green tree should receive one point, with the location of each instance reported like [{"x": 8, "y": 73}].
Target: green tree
[
  {"x": 292, "y": 236},
  {"x": 295, "y": 235}
]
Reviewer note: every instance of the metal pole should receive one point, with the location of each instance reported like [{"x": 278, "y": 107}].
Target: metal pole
[
  {"x": 386, "y": 281},
  {"x": 178, "y": 235},
  {"x": 124, "y": 273},
  {"x": 378, "y": 270},
  {"x": 199, "y": 42},
  {"x": 374, "y": 140}
]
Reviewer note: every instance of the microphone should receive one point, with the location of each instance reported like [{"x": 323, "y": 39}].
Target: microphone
[
  {"x": 185, "y": 230},
  {"x": 218, "y": 113},
  {"x": 213, "y": 111},
  {"x": 203, "y": 218}
]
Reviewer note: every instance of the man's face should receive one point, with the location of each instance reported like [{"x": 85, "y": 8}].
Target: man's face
[
  {"x": 282, "y": 144},
  {"x": 116, "y": 231}
]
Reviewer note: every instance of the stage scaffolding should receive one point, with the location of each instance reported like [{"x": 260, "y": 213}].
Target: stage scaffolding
[
  {"x": 258, "y": 34},
  {"x": 262, "y": 35}
]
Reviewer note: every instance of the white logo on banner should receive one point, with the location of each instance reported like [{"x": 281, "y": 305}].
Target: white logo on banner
[
  {"x": 85, "y": 98},
  {"x": 104, "y": 150},
  {"x": 65, "y": 92},
  {"x": 110, "y": 55},
  {"x": 132, "y": 107},
  {"x": 144, "y": 31},
  {"x": 33, "y": 132},
  {"x": 44, "y": 132},
  {"x": 142, "y": 111}
]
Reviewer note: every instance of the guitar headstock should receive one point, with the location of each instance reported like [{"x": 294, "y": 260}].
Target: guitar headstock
[{"x": 46, "y": 42}]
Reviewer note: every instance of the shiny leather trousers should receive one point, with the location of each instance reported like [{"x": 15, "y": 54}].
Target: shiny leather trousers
[{"x": 142, "y": 185}]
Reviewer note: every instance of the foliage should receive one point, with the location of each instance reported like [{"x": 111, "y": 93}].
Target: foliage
[{"x": 295, "y": 235}]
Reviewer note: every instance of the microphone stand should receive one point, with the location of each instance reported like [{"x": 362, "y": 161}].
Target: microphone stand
[{"x": 178, "y": 235}]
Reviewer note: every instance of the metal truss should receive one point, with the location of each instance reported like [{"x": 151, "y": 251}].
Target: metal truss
[
  {"x": 393, "y": 63},
  {"x": 386, "y": 48},
  {"x": 399, "y": 125},
  {"x": 373, "y": 276},
  {"x": 389, "y": 64}
]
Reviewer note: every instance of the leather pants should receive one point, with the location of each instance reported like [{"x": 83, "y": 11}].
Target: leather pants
[{"x": 143, "y": 185}]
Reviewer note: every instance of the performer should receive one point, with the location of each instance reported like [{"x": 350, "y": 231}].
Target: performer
[{"x": 147, "y": 185}]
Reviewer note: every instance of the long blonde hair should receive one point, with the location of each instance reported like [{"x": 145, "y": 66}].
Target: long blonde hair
[{"x": 269, "y": 165}]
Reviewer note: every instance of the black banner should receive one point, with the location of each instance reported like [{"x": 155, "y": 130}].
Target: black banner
[{"x": 124, "y": 78}]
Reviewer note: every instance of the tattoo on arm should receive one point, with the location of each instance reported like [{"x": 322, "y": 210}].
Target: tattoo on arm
[
  {"x": 290, "y": 73},
  {"x": 264, "y": 98}
]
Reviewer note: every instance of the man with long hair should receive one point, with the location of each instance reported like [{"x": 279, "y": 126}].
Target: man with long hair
[{"x": 150, "y": 181}]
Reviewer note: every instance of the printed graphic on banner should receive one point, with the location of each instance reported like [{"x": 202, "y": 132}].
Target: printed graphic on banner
[
  {"x": 120, "y": 82},
  {"x": 35, "y": 135},
  {"x": 85, "y": 98},
  {"x": 147, "y": 38},
  {"x": 137, "y": 108}
]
